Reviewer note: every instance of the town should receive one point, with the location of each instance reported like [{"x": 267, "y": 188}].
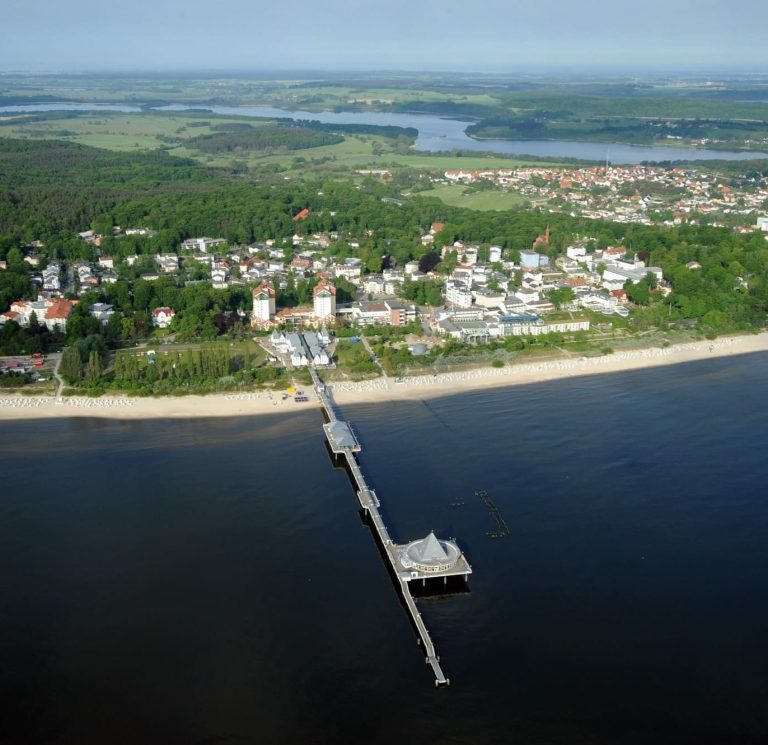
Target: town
[
  {"x": 465, "y": 293},
  {"x": 487, "y": 294},
  {"x": 643, "y": 194}
]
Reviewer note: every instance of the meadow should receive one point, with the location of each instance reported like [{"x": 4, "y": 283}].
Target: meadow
[{"x": 457, "y": 195}]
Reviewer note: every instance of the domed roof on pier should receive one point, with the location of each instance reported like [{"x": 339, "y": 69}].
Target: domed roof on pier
[{"x": 430, "y": 554}]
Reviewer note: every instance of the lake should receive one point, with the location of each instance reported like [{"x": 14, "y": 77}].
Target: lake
[{"x": 438, "y": 134}]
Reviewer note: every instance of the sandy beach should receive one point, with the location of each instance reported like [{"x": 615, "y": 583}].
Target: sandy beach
[{"x": 426, "y": 386}]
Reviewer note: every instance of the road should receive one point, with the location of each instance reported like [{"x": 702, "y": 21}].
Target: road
[
  {"x": 59, "y": 379},
  {"x": 374, "y": 358}
]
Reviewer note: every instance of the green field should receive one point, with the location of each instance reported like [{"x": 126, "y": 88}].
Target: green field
[
  {"x": 442, "y": 163},
  {"x": 150, "y": 131},
  {"x": 116, "y": 131},
  {"x": 456, "y": 195}
]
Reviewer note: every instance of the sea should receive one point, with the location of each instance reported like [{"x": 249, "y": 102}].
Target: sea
[{"x": 212, "y": 580}]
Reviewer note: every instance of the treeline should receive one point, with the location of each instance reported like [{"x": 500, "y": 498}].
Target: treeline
[
  {"x": 32, "y": 339},
  {"x": 263, "y": 139},
  {"x": 208, "y": 362},
  {"x": 621, "y": 129},
  {"x": 383, "y": 130},
  {"x": 211, "y": 368},
  {"x": 39, "y": 116}
]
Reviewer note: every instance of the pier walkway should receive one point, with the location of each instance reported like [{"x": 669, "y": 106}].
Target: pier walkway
[{"x": 445, "y": 558}]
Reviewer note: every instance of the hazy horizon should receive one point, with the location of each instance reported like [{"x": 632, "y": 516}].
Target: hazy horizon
[{"x": 487, "y": 36}]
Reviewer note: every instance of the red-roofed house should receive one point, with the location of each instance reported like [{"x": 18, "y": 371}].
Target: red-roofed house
[
  {"x": 324, "y": 300},
  {"x": 50, "y": 312},
  {"x": 263, "y": 313},
  {"x": 615, "y": 251},
  {"x": 162, "y": 317},
  {"x": 303, "y": 215}
]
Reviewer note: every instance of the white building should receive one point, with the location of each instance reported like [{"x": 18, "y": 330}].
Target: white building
[
  {"x": 162, "y": 317},
  {"x": 101, "y": 312},
  {"x": 458, "y": 294},
  {"x": 51, "y": 313},
  {"x": 52, "y": 277},
  {"x": 220, "y": 276},
  {"x": 263, "y": 305},
  {"x": 615, "y": 275},
  {"x": 168, "y": 263},
  {"x": 324, "y": 296},
  {"x": 202, "y": 244},
  {"x": 577, "y": 253}
]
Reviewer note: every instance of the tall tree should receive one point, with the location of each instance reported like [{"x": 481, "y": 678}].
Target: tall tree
[{"x": 71, "y": 365}]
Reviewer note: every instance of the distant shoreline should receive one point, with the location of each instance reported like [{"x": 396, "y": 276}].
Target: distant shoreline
[{"x": 18, "y": 408}]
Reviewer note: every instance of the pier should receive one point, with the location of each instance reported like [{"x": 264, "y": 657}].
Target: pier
[{"x": 429, "y": 558}]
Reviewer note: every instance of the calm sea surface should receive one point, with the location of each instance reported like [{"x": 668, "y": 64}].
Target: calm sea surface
[
  {"x": 437, "y": 134},
  {"x": 210, "y": 581}
]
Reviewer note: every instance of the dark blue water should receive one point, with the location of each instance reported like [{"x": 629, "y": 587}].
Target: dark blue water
[
  {"x": 437, "y": 134},
  {"x": 210, "y": 581}
]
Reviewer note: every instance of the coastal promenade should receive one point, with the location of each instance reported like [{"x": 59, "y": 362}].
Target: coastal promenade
[
  {"x": 413, "y": 388},
  {"x": 537, "y": 371},
  {"x": 433, "y": 558}
]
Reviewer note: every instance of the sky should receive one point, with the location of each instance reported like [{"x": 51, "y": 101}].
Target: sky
[{"x": 453, "y": 35}]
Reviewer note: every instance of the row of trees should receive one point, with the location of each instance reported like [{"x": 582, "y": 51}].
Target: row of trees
[{"x": 209, "y": 362}]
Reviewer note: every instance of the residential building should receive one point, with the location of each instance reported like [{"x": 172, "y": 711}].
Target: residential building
[
  {"x": 220, "y": 275},
  {"x": 458, "y": 294},
  {"x": 532, "y": 259},
  {"x": 50, "y": 312},
  {"x": 203, "y": 244},
  {"x": 52, "y": 277},
  {"x": 168, "y": 263},
  {"x": 101, "y": 312},
  {"x": 162, "y": 317},
  {"x": 263, "y": 313},
  {"x": 324, "y": 296}
]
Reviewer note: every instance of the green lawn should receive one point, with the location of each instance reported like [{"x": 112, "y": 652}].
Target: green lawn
[
  {"x": 235, "y": 349},
  {"x": 457, "y": 195}
]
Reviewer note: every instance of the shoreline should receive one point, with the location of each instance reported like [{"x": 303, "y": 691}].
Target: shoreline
[{"x": 18, "y": 407}]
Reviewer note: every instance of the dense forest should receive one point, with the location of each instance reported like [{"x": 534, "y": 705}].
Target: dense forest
[
  {"x": 264, "y": 139},
  {"x": 52, "y": 186},
  {"x": 539, "y": 125},
  {"x": 383, "y": 130}
]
